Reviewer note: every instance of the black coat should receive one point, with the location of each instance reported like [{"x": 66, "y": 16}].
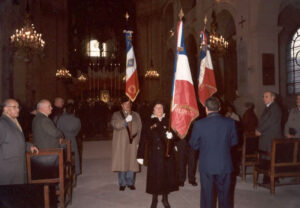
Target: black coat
[{"x": 161, "y": 172}]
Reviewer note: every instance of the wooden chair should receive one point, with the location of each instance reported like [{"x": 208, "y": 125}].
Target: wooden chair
[
  {"x": 284, "y": 162},
  {"x": 48, "y": 167},
  {"x": 70, "y": 158},
  {"x": 249, "y": 153}
]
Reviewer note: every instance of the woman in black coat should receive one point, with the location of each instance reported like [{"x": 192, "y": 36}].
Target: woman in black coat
[{"x": 161, "y": 172}]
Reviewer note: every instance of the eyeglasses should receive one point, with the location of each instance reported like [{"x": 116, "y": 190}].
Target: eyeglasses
[{"x": 14, "y": 107}]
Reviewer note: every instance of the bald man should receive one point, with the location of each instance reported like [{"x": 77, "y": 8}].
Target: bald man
[
  {"x": 12, "y": 146},
  {"x": 45, "y": 134}
]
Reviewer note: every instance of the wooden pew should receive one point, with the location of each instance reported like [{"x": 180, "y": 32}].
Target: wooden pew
[
  {"x": 27, "y": 195},
  {"x": 284, "y": 162},
  {"x": 48, "y": 167},
  {"x": 249, "y": 153},
  {"x": 70, "y": 158}
]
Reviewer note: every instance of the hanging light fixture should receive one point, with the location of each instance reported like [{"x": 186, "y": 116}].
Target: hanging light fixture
[
  {"x": 218, "y": 44},
  {"x": 27, "y": 37},
  {"x": 82, "y": 78},
  {"x": 151, "y": 73},
  {"x": 63, "y": 73}
]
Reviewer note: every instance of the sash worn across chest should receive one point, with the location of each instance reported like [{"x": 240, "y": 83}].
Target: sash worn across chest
[{"x": 129, "y": 129}]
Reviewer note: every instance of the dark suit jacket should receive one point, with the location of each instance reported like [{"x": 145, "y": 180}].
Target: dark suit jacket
[
  {"x": 269, "y": 126},
  {"x": 12, "y": 153},
  {"x": 45, "y": 134},
  {"x": 214, "y": 136}
]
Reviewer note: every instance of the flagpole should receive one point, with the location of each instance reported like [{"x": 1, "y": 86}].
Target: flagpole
[{"x": 180, "y": 15}]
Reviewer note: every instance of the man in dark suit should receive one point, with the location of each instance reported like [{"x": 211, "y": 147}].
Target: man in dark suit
[
  {"x": 12, "y": 146},
  {"x": 45, "y": 134},
  {"x": 214, "y": 136},
  {"x": 187, "y": 161},
  {"x": 269, "y": 126}
]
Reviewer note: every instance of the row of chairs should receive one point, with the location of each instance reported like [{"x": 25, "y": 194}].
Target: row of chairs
[
  {"x": 53, "y": 167},
  {"x": 283, "y": 161}
]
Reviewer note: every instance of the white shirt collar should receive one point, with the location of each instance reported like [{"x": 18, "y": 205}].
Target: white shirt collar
[
  {"x": 159, "y": 118},
  {"x": 269, "y": 104}
]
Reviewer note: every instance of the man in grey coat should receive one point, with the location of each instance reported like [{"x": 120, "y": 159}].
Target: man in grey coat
[
  {"x": 45, "y": 134},
  {"x": 269, "y": 126},
  {"x": 127, "y": 128},
  {"x": 70, "y": 125},
  {"x": 12, "y": 146},
  {"x": 292, "y": 126}
]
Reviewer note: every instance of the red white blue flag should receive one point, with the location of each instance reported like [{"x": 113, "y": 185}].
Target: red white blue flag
[
  {"x": 132, "y": 79},
  {"x": 184, "y": 107},
  {"x": 206, "y": 80}
]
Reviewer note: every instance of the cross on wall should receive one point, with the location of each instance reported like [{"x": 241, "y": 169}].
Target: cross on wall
[{"x": 242, "y": 21}]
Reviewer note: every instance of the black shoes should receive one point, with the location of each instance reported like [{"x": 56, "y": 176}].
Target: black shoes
[
  {"x": 122, "y": 188},
  {"x": 132, "y": 187},
  {"x": 193, "y": 183}
]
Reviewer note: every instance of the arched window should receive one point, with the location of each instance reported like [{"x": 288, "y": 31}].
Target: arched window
[
  {"x": 93, "y": 49},
  {"x": 293, "y": 64}
]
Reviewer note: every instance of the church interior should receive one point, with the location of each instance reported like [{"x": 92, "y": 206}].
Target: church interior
[
  {"x": 77, "y": 51},
  {"x": 261, "y": 54}
]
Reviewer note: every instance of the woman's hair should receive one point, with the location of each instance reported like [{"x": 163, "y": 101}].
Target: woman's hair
[{"x": 157, "y": 102}]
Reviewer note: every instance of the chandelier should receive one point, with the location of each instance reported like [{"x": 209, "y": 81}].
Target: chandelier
[
  {"x": 151, "y": 73},
  {"x": 82, "y": 78},
  {"x": 27, "y": 37},
  {"x": 63, "y": 73},
  {"x": 217, "y": 43}
]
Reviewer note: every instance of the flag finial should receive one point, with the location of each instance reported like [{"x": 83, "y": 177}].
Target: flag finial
[
  {"x": 205, "y": 21},
  {"x": 181, "y": 14},
  {"x": 127, "y": 16}
]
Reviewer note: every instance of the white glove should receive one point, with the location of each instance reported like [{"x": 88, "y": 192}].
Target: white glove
[
  {"x": 169, "y": 135},
  {"x": 128, "y": 118},
  {"x": 140, "y": 161}
]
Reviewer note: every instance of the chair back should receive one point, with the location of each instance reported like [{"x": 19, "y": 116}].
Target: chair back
[{"x": 45, "y": 167}]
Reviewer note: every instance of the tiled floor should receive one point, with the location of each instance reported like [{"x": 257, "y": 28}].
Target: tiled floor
[{"x": 97, "y": 187}]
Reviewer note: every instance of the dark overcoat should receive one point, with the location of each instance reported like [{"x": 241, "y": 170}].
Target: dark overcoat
[
  {"x": 12, "y": 153},
  {"x": 161, "y": 171},
  {"x": 214, "y": 136},
  {"x": 45, "y": 134},
  {"x": 269, "y": 126},
  {"x": 70, "y": 125}
]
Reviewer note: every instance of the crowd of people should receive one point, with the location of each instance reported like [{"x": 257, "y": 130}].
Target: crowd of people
[
  {"x": 143, "y": 137},
  {"x": 211, "y": 138}
]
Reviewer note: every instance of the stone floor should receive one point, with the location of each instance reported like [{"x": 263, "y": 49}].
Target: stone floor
[{"x": 98, "y": 187}]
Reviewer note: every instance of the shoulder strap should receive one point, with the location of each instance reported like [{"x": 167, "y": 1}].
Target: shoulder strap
[{"x": 127, "y": 128}]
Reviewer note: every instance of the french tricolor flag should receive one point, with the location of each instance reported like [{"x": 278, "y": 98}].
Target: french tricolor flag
[
  {"x": 206, "y": 80},
  {"x": 184, "y": 107},
  {"x": 132, "y": 80}
]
